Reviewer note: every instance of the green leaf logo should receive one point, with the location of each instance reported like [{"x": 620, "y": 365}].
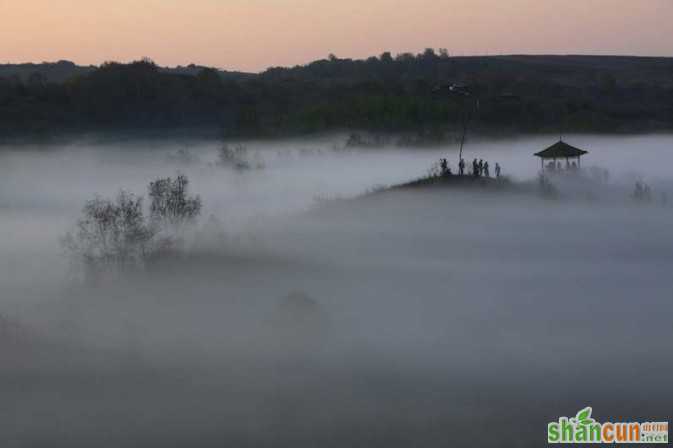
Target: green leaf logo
[{"x": 583, "y": 417}]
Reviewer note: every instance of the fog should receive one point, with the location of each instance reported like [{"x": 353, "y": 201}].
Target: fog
[{"x": 301, "y": 313}]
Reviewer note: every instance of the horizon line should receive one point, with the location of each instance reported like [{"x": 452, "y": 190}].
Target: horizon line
[{"x": 233, "y": 70}]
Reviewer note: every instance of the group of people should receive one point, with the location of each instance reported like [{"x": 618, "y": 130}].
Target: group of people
[{"x": 479, "y": 168}]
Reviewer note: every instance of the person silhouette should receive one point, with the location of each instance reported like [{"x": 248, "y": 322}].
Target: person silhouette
[
  {"x": 486, "y": 171},
  {"x": 461, "y": 166},
  {"x": 497, "y": 169},
  {"x": 481, "y": 166},
  {"x": 444, "y": 166},
  {"x": 475, "y": 168}
]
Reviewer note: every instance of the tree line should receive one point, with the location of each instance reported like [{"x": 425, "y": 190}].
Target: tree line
[{"x": 384, "y": 93}]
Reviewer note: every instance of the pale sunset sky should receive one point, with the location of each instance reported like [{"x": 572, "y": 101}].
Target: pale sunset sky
[{"x": 252, "y": 35}]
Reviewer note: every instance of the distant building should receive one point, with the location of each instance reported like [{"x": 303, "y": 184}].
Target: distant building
[{"x": 560, "y": 151}]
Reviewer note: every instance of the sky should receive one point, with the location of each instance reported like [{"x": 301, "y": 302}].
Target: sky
[{"x": 251, "y": 35}]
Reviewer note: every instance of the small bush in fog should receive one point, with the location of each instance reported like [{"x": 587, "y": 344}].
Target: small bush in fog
[
  {"x": 111, "y": 233},
  {"x": 183, "y": 157},
  {"x": 116, "y": 233},
  {"x": 234, "y": 157},
  {"x": 170, "y": 203},
  {"x": 357, "y": 140}
]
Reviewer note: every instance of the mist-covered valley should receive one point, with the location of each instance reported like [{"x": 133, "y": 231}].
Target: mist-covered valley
[{"x": 309, "y": 306}]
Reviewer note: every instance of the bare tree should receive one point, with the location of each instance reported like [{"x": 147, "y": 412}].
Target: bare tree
[
  {"x": 111, "y": 233},
  {"x": 116, "y": 234},
  {"x": 170, "y": 204}
]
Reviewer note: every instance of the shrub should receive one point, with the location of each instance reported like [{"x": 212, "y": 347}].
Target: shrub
[
  {"x": 111, "y": 233},
  {"x": 171, "y": 206},
  {"x": 235, "y": 157},
  {"x": 115, "y": 234}
]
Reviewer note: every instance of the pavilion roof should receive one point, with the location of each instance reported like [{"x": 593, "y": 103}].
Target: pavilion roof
[{"x": 560, "y": 150}]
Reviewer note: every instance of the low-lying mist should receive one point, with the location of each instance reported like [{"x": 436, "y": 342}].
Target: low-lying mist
[{"x": 297, "y": 313}]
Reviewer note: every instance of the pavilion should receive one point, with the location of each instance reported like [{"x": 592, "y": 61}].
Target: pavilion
[{"x": 561, "y": 150}]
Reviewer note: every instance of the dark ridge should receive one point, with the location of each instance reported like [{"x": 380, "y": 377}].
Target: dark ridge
[{"x": 381, "y": 94}]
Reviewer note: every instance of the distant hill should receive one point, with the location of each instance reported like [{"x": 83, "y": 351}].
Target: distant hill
[
  {"x": 57, "y": 72},
  {"x": 193, "y": 70},
  {"x": 61, "y": 71},
  {"x": 571, "y": 70},
  {"x": 381, "y": 94}
]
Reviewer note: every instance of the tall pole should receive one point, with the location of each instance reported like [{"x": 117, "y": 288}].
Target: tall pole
[
  {"x": 466, "y": 113},
  {"x": 467, "y": 117},
  {"x": 462, "y": 138}
]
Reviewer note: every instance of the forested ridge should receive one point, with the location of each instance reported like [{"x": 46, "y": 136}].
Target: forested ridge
[{"x": 386, "y": 93}]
